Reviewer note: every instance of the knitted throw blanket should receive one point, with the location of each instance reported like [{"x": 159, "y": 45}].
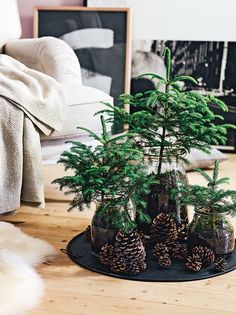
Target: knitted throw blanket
[{"x": 30, "y": 103}]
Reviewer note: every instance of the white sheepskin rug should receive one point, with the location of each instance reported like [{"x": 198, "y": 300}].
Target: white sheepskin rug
[{"x": 21, "y": 288}]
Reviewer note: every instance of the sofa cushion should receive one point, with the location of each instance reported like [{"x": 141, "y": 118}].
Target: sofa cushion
[
  {"x": 51, "y": 150},
  {"x": 49, "y": 55},
  {"x": 84, "y": 103},
  {"x": 199, "y": 159}
]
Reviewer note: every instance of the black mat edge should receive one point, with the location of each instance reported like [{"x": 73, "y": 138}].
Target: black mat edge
[{"x": 101, "y": 269}]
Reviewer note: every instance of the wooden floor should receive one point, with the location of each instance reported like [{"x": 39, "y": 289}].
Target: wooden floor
[{"x": 74, "y": 290}]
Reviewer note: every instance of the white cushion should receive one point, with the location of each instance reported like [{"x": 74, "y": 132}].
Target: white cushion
[
  {"x": 9, "y": 21},
  {"x": 49, "y": 55},
  {"x": 199, "y": 159},
  {"x": 51, "y": 150},
  {"x": 79, "y": 95},
  {"x": 84, "y": 103},
  {"x": 55, "y": 58}
]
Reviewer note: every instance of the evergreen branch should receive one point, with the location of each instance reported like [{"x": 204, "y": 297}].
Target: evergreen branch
[
  {"x": 228, "y": 126},
  {"x": 209, "y": 199},
  {"x": 167, "y": 57},
  {"x": 224, "y": 180},
  {"x": 152, "y": 75},
  {"x": 104, "y": 110},
  {"x": 184, "y": 78},
  {"x": 218, "y": 102},
  {"x": 91, "y": 134},
  {"x": 105, "y": 135},
  {"x": 215, "y": 173},
  {"x": 118, "y": 138}
]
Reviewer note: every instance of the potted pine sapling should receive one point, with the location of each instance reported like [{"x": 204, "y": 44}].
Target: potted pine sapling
[
  {"x": 212, "y": 205},
  {"x": 169, "y": 122},
  {"x": 112, "y": 176}
]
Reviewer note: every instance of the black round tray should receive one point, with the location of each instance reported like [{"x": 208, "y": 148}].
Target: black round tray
[{"x": 79, "y": 251}]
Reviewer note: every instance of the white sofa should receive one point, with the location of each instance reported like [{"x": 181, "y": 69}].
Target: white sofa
[{"x": 55, "y": 58}]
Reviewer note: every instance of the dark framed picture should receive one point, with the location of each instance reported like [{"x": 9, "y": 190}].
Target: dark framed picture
[
  {"x": 100, "y": 37},
  {"x": 211, "y": 63}
]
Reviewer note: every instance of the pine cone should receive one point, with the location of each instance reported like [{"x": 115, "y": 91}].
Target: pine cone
[
  {"x": 206, "y": 254},
  {"x": 183, "y": 230},
  {"x": 118, "y": 265},
  {"x": 106, "y": 254},
  {"x": 160, "y": 249},
  {"x": 194, "y": 263},
  {"x": 220, "y": 264},
  {"x": 142, "y": 265},
  {"x": 135, "y": 268},
  {"x": 178, "y": 251},
  {"x": 88, "y": 233},
  {"x": 129, "y": 253},
  {"x": 164, "y": 228},
  {"x": 142, "y": 237},
  {"x": 164, "y": 261}
]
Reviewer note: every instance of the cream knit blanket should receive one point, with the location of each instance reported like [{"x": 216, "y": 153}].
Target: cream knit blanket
[{"x": 30, "y": 103}]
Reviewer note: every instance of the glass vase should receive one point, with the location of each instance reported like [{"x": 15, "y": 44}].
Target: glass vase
[
  {"x": 213, "y": 230},
  {"x": 102, "y": 226},
  {"x": 159, "y": 199}
]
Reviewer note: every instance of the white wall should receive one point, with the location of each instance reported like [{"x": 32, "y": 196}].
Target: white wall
[
  {"x": 184, "y": 19},
  {"x": 164, "y": 19},
  {"x": 26, "y": 8}
]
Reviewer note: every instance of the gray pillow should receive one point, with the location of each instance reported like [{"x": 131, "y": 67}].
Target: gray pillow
[{"x": 199, "y": 159}]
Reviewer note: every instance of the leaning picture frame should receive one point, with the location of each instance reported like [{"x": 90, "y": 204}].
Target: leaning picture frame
[{"x": 101, "y": 39}]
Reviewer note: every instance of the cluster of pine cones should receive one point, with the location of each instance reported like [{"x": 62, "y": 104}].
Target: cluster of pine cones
[
  {"x": 166, "y": 234},
  {"x": 203, "y": 256},
  {"x": 127, "y": 254}
]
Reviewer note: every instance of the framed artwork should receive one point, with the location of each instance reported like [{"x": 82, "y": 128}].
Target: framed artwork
[
  {"x": 211, "y": 63},
  {"x": 101, "y": 39}
]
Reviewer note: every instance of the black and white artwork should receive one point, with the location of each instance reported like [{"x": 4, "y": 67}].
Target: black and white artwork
[
  {"x": 99, "y": 39},
  {"x": 212, "y": 64}
]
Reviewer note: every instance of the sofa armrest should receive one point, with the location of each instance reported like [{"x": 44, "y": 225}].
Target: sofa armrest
[{"x": 49, "y": 55}]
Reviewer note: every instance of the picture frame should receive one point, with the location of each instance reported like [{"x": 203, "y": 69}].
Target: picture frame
[{"x": 101, "y": 39}]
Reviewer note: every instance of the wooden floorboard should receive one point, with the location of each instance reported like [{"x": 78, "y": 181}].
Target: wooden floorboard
[{"x": 77, "y": 291}]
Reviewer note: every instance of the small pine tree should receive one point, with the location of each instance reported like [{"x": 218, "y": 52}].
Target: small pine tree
[
  {"x": 171, "y": 122},
  {"x": 210, "y": 199},
  {"x": 111, "y": 174}
]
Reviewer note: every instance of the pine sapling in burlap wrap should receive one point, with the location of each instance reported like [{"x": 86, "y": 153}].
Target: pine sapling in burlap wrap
[
  {"x": 113, "y": 177},
  {"x": 168, "y": 122},
  {"x": 210, "y": 225}
]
